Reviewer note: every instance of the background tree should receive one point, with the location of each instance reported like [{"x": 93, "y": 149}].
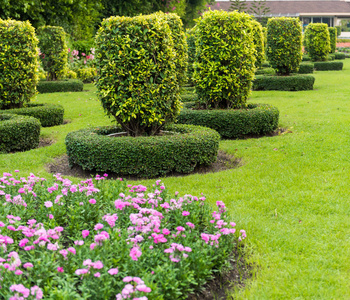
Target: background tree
[{"x": 239, "y": 5}]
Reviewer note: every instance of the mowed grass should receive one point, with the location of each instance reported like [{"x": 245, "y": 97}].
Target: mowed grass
[{"x": 291, "y": 195}]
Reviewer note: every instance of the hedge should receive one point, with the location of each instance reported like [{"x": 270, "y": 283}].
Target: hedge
[
  {"x": 86, "y": 75},
  {"x": 258, "y": 39},
  {"x": 223, "y": 79},
  {"x": 263, "y": 71},
  {"x": 191, "y": 52},
  {"x": 284, "y": 44},
  {"x": 256, "y": 119},
  {"x": 18, "y": 63},
  {"x": 294, "y": 82},
  {"x": 328, "y": 65},
  {"x": 306, "y": 58},
  {"x": 188, "y": 97},
  {"x": 71, "y": 85},
  {"x": 152, "y": 156},
  {"x": 332, "y": 38},
  {"x": 48, "y": 114},
  {"x": 339, "y": 55},
  {"x": 317, "y": 41},
  {"x": 331, "y": 56},
  {"x": 18, "y": 133},
  {"x": 265, "y": 64},
  {"x": 306, "y": 68}
]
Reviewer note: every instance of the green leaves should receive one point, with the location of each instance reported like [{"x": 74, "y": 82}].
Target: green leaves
[{"x": 317, "y": 41}]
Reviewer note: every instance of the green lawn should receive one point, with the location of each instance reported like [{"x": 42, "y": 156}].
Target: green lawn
[{"x": 291, "y": 195}]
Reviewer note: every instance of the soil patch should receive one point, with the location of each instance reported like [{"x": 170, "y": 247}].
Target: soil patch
[
  {"x": 45, "y": 142},
  {"x": 278, "y": 131},
  {"x": 60, "y": 165},
  {"x": 233, "y": 277},
  {"x": 66, "y": 121}
]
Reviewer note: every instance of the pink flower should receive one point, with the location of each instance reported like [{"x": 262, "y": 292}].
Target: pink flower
[
  {"x": 81, "y": 271},
  {"x": 143, "y": 288},
  {"x": 23, "y": 242},
  {"x": 50, "y": 216},
  {"x": 18, "y": 272},
  {"x": 85, "y": 233},
  {"x": 97, "y": 274},
  {"x": 97, "y": 265},
  {"x": 72, "y": 250},
  {"x": 92, "y": 201},
  {"x": 92, "y": 246},
  {"x": 189, "y": 224},
  {"x": 185, "y": 213},
  {"x": 60, "y": 269},
  {"x": 35, "y": 290},
  {"x": 135, "y": 253},
  {"x": 28, "y": 265},
  {"x": 79, "y": 243},
  {"x": 113, "y": 271},
  {"x": 98, "y": 226},
  {"x": 48, "y": 204},
  {"x": 180, "y": 228}
]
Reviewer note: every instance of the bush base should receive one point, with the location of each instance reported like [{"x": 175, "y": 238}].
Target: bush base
[
  {"x": 60, "y": 86},
  {"x": 257, "y": 119},
  {"x": 294, "y": 82}
]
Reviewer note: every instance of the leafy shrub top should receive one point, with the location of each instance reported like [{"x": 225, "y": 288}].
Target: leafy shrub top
[
  {"x": 332, "y": 38},
  {"x": 317, "y": 41},
  {"x": 258, "y": 38},
  {"x": 191, "y": 48},
  {"x": 137, "y": 82},
  {"x": 284, "y": 44},
  {"x": 225, "y": 58},
  {"x": 18, "y": 63}
]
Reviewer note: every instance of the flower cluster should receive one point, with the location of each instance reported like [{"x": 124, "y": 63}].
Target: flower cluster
[{"x": 78, "y": 60}]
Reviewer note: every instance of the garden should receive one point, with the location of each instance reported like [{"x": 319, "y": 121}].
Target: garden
[{"x": 108, "y": 188}]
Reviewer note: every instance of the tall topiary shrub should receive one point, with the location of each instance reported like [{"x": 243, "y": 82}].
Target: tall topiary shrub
[
  {"x": 284, "y": 44},
  {"x": 225, "y": 59},
  {"x": 54, "y": 51},
  {"x": 191, "y": 51},
  {"x": 317, "y": 41},
  {"x": 258, "y": 38},
  {"x": 18, "y": 63},
  {"x": 137, "y": 81},
  {"x": 332, "y": 38}
]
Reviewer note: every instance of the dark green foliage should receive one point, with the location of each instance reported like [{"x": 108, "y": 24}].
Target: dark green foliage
[
  {"x": 191, "y": 52},
  {"x": 339, "y": 55},
  {"x": 223, "y": 78},
  {"x": 258, "y": 39},
  {"x": 306, "y": 57},
  {"x": 264, "y": 71},
  {"x": 293, "y": 82},
  {"x": 265, "y": 64},
  {"x": 331, "y": 56},
  {"x": 182, "y": 151},
  {"x": 338, "y": 30},
  {"x": 317, "y": 41},
  {"x": 86, "y": 75},
  {"x": 328, "y": 65},
  {"x": 60, "y": 86},
  {"x": 18, "y": 63},
  {"x": 306, "y": 68},
  {"x": 137, "y": 82},
  {"x": 332, "y": 38},
  {"x": 48, "y": 114},
  {"x": 256, "y": 119},
  {"x": 189, "y": 97},
  {"x": 284, "y": 44},
  {"x": 18, "y": 133},
  {"x": 54, "y": 51}
]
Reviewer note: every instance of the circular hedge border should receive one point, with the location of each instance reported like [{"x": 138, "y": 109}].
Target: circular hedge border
[
  {"x": 48, "y": 114},
  {"x": 294, "y": 82},
  {"x": 257, "y": 119},
  {"x": 69, "y": 85},
  {"x": 181, "y": 151},
  {"x": 18, "y": 133}
]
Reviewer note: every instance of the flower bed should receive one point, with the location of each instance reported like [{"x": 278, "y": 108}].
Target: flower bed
[{"x": 107, "y": 240}]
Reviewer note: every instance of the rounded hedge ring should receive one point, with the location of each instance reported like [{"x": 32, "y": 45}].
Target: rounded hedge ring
[{"x": 180, "y": 148}]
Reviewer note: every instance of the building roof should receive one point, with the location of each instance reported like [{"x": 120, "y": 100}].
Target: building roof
[{"x": 298, "y": 8}]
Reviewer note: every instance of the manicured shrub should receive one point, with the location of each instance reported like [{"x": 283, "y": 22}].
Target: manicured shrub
[
  {"x": 182, "y": 151},
  {"x": 188, "y": 97},
  {"x": 263, "y": 71},
  {"x": 71, "y": 74},
  {"x": 339, "y": 55},
  {"x": 48, "y": 114},
  {"x": 140, "y": 91},
  {"x": 306, "y": 57},
  {"x": 328, "y": 65},
  {"x": 71, "y": 85},
  {"x": 317, "y": 41},
  {"x": 223, "y": 78},
  {"x": 86, "y": 75},
  {"x": 294, "y": 82},
  {"x": 54, "y": 51},
  {"x": 18, "y": 63},
  {"x": 284, "y": 44},
  {"x": 331, "y": 56},
  {"x": 332, "y": 38},
  {"x": 338, "y": 30},
  {"x": 191, "y": 53},
  {"x": 256, "y": 119},
  {"x": 265, "y": 64},
  {"x": 100, "y": 239},
  {"x": 18, "y": 133},
  {"x": 306, "y": 68},
  {"x": 258, "y": 39}
]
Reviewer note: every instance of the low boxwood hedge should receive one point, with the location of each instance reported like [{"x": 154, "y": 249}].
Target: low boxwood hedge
[
  {"x": 182, "y": 151},
  {"x": 265, "y": 64},
  {"x": 48, "y": 114},
  {"x": 339, "y": 55},
  {"x": 306, "y": 68},
  {"x": 18, "y": 133},
  {"x": 294, "y": 82},
  {"x": 328, "y": 65},
  {"x": 256, "y": 119},
  {"x": 306, "y": 58},
  {"x": 263, "y": 71},
  {"x": 188, "y": 97},
  {"x": 69, "y": 85},
  {"x": 331, "y": 57}
]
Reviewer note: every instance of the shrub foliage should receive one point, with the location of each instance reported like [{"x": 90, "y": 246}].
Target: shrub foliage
[
  {"x": 306, "y": 68},
  {"x": 58, "y": 86},
  {"x": 191, "y": 53},
  {"x": 258, "y": 38},
  {"x": 18, "y": 63},
  {"x": 284, "y": 44},
  {"x": 87, "y": 75},
  {"x": 328, "y": 65},
  {"x": 317, "y": 41},
  {"x": 294, "y": 82},
  {"x": 332, "y": 38},
  {"x": 223, "y": 78}
]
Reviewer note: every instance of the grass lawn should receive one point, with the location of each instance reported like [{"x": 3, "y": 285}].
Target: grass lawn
[{"x": 291, "y": 195}]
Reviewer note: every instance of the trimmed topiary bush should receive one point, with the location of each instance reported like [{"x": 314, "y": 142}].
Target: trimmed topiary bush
[
  {"x": 137, "y": 82},
  {"x": 48, "y": 114},
  {"x": 317, "y": 41},
  {"x": 71, "y": 85},
  {"x": 183, "y": 150},
  {"x": 331, "y": 57},
  {"x": 332, "y": 38},
  {"x": 306, "y": 68},
  {"x": 18, "y": 133},
  {"x": 339, "y": 55},
  {"x": 328, "y": 65},
  {"x": 18, "y": 63},
  {"x": 258, "y": 39},
  {"x": 71, "y": 74},
  {"x": 294, "y": 82},
  {"x": 86, "y": 75},
  {"x": 191, "y": 53},
  {"x": 54, "y": 51},
  {"x": 256, "y": 119},
  {"x": 306, "y": 57},
  {"x": 265, "y": 71},
  {"x": 284, "y": 44},
  {"x": 223, "y": 79}
]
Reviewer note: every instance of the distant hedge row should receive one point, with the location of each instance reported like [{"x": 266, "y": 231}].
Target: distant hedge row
[
  {"x": 71, "y": 85},
  {"x": 294, "y": 82}
]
